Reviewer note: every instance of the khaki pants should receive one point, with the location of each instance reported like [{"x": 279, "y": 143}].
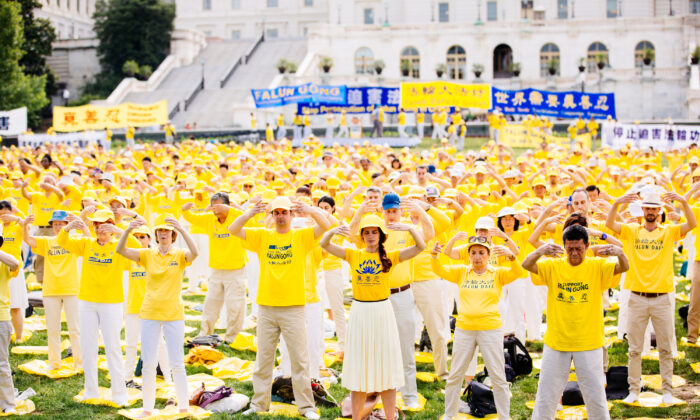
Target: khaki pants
[
  {"x": 39, "y": 261},
  {"x": 463, "y": 349},
  {"x": 228, "y": 285},
  {"x": 52, "y": 310},
  {"x": 694, "y": 310},
  {"x": 403, "y": 304},
  {"x": 7, "y": 388},
  {"x": 428, "y": 296},
  {"x": 290, "y": 322},
  {"x": 641, "y": 309}
]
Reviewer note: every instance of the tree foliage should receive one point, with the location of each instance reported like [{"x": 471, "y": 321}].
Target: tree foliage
[
  {"x": 17, "y": 89},
  {"x": 39, "y": 34}
]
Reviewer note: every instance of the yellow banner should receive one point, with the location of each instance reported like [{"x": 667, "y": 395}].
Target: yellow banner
[
  {"x": 518, "y": 135},
  {"x": 93, "y": 117},
  {"x": 431, "y": 94}
]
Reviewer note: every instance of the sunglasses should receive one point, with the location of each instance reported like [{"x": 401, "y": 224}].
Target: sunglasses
[{"x": 478, "y": 240}]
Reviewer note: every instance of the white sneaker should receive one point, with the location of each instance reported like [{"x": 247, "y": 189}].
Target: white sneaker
[
  {"x": 631, "y": 399},
  {"x": 249, "y": 412},
  {"x": 413, "y": 405},
  {"x": 312, "y": 415},
  {"x": 667, "y": 398},
  {"x": 9, "y": 411},
  {"x": 464, "y": 408}
]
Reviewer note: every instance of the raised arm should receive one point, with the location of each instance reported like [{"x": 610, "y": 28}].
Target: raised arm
[
  {"x": 236, "y": 228},
  {"x": 28, "y": 238},
  {"x": 548, "y": 249},
  {"x": 426, "y": 222},
  {"x": 10, "y": 261},
  {"x": 690, "y": 222},
  {"x": 611, "y": 221},
  {"x": 450, "y": 251},
  {"x": 129, "y": 253},
  {"x": 416, "y": 248},
  {"x": 318, "y": 215},
  {"x": 534, "y": 238},
  {"x": 623, "y": 263},
  {"x": 332, "y": 248},
  {"x": 192, "y": 250}
]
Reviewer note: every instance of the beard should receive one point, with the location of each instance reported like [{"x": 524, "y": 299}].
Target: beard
[{"x": 650, "y": 218}]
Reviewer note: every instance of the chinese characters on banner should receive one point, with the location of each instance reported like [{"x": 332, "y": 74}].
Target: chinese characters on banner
[
  {"x": 309, "y": 92},
  {"x": 554, "y": 104},
  {"x": 71, "y": 139},
  {"x": 658, "y": 136},
  {"x": 445, "y": 94},
  {"x": 518, "y": 135},
  {"x": 93, "y": 117},
  {"x": 13, "y": 122},
  {"x": 358, "y": 100}
]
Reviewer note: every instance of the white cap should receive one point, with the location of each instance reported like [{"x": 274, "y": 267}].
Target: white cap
[
  {"x": 432, "y": 191},
  {"x": 484, "y": 223},
  {"x": 510, "y": 173},
  {"x": 77, "y": 160},
  {"x": 108, "y": 176}
]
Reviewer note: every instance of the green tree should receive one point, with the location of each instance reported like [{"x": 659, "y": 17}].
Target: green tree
[
  {"x": 16, "y": 88},
  {"x": 39, "y": 34}
]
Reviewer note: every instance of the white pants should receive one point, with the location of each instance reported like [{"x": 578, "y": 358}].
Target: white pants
[
  {"x": 403, "y": 304},
  {"x": 534, "y": 301},
  {"x": 174, "y": 333},
  {"x": 18, "y": 292},
  {"x": 512, "y": 308},
  {"x": 334, "y": 290},
  {"x": 52, "y": 311},
  {"x": 107, "y": 319},
  {"x": 307, "y": 131},
  {"x": 329, "y": 132},
  {"x": 130, "y": 142},
  {"x": 450, "y": 299},
  {"x": 402, "y": 131},
  {"x": 428, "y": 297},
  {"x": 133, "y": 336},
  {"x": 199, "y": 270},
  {"x": 420, "y": 128},
  {"x": 343, "y": 131},
  {"x": 555, "y": 374},
  {"x": 252, "y": 270},
  {"x": 281, "y": 132},
  {"x": 314, "y": 342}
]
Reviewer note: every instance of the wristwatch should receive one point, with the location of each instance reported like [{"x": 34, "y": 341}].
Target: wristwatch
[{"x": 604, "y": 236}]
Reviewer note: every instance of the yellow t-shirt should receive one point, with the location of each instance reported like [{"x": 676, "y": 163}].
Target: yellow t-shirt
[
  {"x": 225, "y": 250},
  {"x": 402, "y": 273},
  {"x": 60, "y": 267},
  {"x": 101, "y": 276},
  {"x": 137, "y": 288},
  {"x": 574, "y": 303},
  {"x": 282, "y": 264},
  {"x": 13, "y": 234},
  {"x": 651, "y": 257},
  {"x": 43, "y": 207},
  {"x": 5, "y": 276},
  {"x": 696, "y": 231},
  {"x": 313, "y": 262},
  {"x": 162, "y": 301},
  {"x": 478, "y": 293},
  {"x": 369, "y": 283}
]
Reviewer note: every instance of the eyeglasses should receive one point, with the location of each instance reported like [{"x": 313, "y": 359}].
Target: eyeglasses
[{"x": 478, "y": 240}]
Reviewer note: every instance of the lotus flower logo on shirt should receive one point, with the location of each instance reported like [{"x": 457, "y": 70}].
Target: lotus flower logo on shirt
[{"x": 369, "y": 267}]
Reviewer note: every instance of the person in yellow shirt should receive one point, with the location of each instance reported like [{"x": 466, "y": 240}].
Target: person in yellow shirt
[
  {"x": 478, "y": 320},
  {"x": 575, "y": 285},
  {"x": 420, "y": 124},
  {"x": 649, "y": 246},
  {"x": 12, "y": 233},
  {"x": 60, "y": 289},
  {"x": 330, "y": 122},
  {"x": 343, "y": 125},
  {"x": 282, "y": 252},
  {"x": 592, "y": 127},
  {"x": 100, "y": 299},
  {"x": 129, "y": 136},
  {"x": 9, "y": 266},
  {"x": 307, "y": 126},
  {"x": 297, "y": 129},
  {"x": 269, "y": 133},
  {"x": 281, "y": 129},
  {"x": 253, "y": 123},
  {"x": 372, "y": 362},
  {"x": 170, "y": 133},
  {"x": 162, "y": 310},
  {"x": 402, "y": 123}
]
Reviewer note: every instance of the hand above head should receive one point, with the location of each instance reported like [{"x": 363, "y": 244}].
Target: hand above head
[
  {"x": 174, "y": 223},
  {"x": 399, "y": 227},
  {"x": 609, "y": 250},
  {"x": 551, "y": 249},
  {"x": 136, "y": 223},
  {"x": 502, "y": 251},
  {"x": 342, "y": 230},
  {"x": 187, "y": 206}
]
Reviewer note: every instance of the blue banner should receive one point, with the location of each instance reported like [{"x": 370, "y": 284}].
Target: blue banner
[
  {"x": 359, "y": 100},
  {"x": 553, "y": 104},
  {"x": 309, "y": 92}
]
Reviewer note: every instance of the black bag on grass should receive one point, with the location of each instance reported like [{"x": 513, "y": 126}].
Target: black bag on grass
[
  {"x": 683, "y": 313},
  {"x": 617, "y": 388},
  {"x": 517, "y": 356},
  {"x": 480, "y": 399},
  {"x": 572, "y": 394}
]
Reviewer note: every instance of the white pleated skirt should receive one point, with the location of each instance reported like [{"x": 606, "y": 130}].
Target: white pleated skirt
[{"x": 372, "y": 360}]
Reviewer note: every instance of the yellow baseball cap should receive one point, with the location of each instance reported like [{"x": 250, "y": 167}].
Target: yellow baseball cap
[
  {"x": 281, "y": 203},
  {"x": 119, "y": 199},
  {"x": 372, "y": 220},
  {"x": 143, "y": 230},
  {"x": 539, "y": 181},
  {"x": 483, "y": 189},
  {"x": 333, "y": 183},
  {"x": 161, "y": 224},
  {"x": 415, "y": 191},
  {"x": 102, "y": 216}
]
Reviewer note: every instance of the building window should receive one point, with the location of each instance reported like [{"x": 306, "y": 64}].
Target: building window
[
  {"x": 563, "y": 9},
  {"x": 411, "y": 56},
  {"x": 526, "y": 9},
  {"x": 597, "y": 52},
  {"x": 235, "y": 4},
  {"x": 206, "y": 4},
  {"x": 695, "y": 6},
  {"x": 77, "y": 6},
  {"x": 272, "y": 33},
  {"x": 272, "y": 3},
  {"x": 456, "y": 62},
  {"x": 369, "y": 16},
  {"x": 492, "y": 10},
  {"x": 640, "y": 51},
  {"x": 364, "y": 61},
  {"x": 236, "y": 34},
  {"x": 308, "y": 3},
  {"x": 444, "y": 12},
  {"x": 548, "y": 52},
  {"x": 612, "y": 8}
]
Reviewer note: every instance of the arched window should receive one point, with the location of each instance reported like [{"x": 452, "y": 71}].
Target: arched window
[
  {"x": 502, "y": 61},
  {"x": 549, "y": 55},
  {"x": 597, "y": 52},
  {"x": 410, "y": 60},
  {"x": 456, "y": 62},
  {"x": 644, "y": 49},
  {"x": 364, "y": 61}
]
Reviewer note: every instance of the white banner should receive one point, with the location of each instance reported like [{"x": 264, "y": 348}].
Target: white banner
[
  {"x": 77, "y": 139},
  {"x": 13, "y": 122},
  {"x": 658, "y": 136}
]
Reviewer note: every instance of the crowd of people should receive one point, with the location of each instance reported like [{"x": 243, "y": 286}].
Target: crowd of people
[{"x": 493, "y": 237}]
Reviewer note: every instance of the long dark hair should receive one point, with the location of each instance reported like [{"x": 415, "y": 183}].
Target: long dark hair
[{"x": 386, "y": 262}]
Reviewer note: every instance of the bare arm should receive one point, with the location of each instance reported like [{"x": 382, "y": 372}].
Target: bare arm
[
  {"x": 126, "y": 252},
  {"x": 611, "y": 221},
  {"x": 192, "y": 251},
  {"x": 236, "y": 228},
  {"x": 332, "y": 248},
  {"x": 450, "y": 251},
  {"x": 687, "y": 212},
  {"x": 411, "y": 251},
  {"x": 10, "y": 261},
  {"x": 550, "y": 250},
  {"x": 29, "y": 239}
]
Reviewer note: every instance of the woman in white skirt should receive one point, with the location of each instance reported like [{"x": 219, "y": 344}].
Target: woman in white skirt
[
  {"x": 478, "y": 321},
  {"x": 372, "y": 353}
]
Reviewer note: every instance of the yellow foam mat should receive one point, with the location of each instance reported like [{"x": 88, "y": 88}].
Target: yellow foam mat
[
  {"x": 402, "y": 405},
  {"x": 329, "y": 359},
  {"x": 610, "y": 330},
  {"x": 102, "y": 362},
  {"x": 245, "y": 341},
  {"x": 614, "y": 306},
  {"x": 427, "y": 377},
  {"x": 682, "y": 297},
  {"x": 167, "y": 390},
  {"x": 652, "y": 399},
  {"x": 609, "y": 319},
  {"x": 35, "y": 323},
  {"x": 684, "y": 342},
  {"x": 569, "y": 412},
  {"x": 105, "y": 395},
  {"x": 233, "y": 368},
  {"x": 167, "y": 413},
  {"x": 41, "y": 367},
  {"x": 423, "y": 357},
  {"x": 654, "y": 381},
  {"x": 331, "y": 346},
  {"x": 282, "y": 409},
  {"x": 189, "y": 330},
  {"x": 695, "y": 366},
  {"x": 21, "y": 408},
  {"x": 37, "y": 349},
  {"x": 654, "y": 355},
  {"x": 26, "y": 335},
  {"x": 612, "y": 340},
  {"x": 195, "y": 318}
]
